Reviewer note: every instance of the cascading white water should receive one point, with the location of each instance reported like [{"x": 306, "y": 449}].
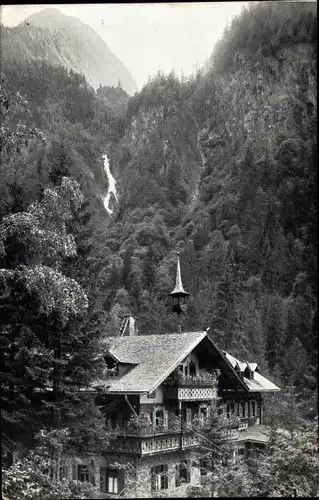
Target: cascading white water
[{"x": 112, "y": 185}]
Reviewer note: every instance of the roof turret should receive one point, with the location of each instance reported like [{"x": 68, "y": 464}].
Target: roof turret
[{"x": 179, "y": 289}]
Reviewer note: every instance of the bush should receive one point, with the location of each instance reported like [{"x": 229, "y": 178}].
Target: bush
[{"x": 30, "y": 479}]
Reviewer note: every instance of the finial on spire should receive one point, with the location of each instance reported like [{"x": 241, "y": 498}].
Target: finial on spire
[
  {"x": 178, "y": 282},
  {"x": 178, "y": 295}
]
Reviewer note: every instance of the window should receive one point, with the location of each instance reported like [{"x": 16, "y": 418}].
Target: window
[
  {"x": 237, "y": 409},
  {"x": 113, "y": 482},
  {"x": 232, "y": 408},
  {"x": 204, "y": 466},
  {"x": 165, "y": 420},
  {"x": 112, "y": 366},
  {"x": 182, "y": 473},
  {"x": 228, "y": 410},
  {"x": 202, "y": 414},
  {"x": 158, "y": 418},
  {"x": 243, "y": 413},
  {"x": 159, "y": 478},
  {"x": 110, "y": 480},
  {"x": 253, "y": 408},
  {"x": 114, "y": 372},
  {"x": 83, "y": 473},
  {"x": 113, "y": 420},
  {"x": 103, "y": 476},
  {"x": 192, "y": 368}
]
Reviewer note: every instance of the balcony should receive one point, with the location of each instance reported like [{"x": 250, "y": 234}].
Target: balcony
[
  {"x": 230, "y": 434},
  {"x": 152, "y": 444},
  {"x": 200, "y": 387},
  {"x": 245, "y": 422}
]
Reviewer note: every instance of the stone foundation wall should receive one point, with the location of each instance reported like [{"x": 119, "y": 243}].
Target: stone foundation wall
[
  {"x": 137, "y": 472},
  {"x": 143, "y": 488}
]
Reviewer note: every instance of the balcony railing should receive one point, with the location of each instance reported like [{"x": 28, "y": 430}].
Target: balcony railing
[
  {"x": 200, "y": 387},
  {"x": 152, "y": 444},
  {"x": 139, "y": 436},
  {"x": 230, "y": 434},
  {"x": 245, "y": 422},
  {"x": 200, "y": 379},
  {"x": 189, "y": 393}
]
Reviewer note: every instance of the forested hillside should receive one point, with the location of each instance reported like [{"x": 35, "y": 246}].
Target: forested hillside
[
  {"x": 247, "y": 230},
  {"x": 221, "y": 168},
  {"x": 54, "y": 129}
]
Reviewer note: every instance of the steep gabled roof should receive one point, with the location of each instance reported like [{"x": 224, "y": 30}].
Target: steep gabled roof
[
  {"x": 156, "y": 356},
  {"x": 258, "y": 383}
]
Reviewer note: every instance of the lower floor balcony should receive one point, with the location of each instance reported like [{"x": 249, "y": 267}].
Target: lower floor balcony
[
  {"x": 230, "y": 434},
  {"x": 245, "y": 422}
]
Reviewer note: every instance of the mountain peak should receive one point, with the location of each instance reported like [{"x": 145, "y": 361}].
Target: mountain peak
[{"x": 77, "y": 47}]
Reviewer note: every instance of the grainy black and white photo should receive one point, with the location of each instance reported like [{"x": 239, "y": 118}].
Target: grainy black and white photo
[{"x": 158, "y": 250}]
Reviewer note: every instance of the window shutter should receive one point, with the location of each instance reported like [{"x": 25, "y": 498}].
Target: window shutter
[
  {"x": 102, "y": 480},
  {"x": 165, "y": 422},
  {"x": 107, "y": 480},
  {"x": 188, "y": 417},
  {"x": 154, "y": 419},
  {"x": 121, "y": 480},
  {"x": 188, "y": 473},
  {"x": 92, "y": 475},
  {"x": 74, "y": 475},
  {"x": 165, "y": 477},
  {"x": 177, "y": 476},
  {"x": 153, "y": 479}
]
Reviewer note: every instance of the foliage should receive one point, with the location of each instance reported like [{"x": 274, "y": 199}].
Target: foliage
[
  {"x": 140, "y": 425},
  {"x": 296, "y": 454},
  {"x": 43, "y": 306},
  {"x": 29, "y": 479}
]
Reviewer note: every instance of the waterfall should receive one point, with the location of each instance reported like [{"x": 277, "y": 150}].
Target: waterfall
[{"x": 112, "y": 184}]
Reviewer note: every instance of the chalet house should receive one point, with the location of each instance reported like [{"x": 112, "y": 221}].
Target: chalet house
[{"x": 159, "y": 391}]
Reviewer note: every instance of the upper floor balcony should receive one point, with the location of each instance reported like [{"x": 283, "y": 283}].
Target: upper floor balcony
[
  {"x": 199, "y": 387},
  {"x": 143, "y": 443}
]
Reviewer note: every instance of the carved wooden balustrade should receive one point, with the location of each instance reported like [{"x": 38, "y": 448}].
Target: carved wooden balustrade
[
  {"x": 200, "y": 387},
  {"x": 153, "y": 443}
]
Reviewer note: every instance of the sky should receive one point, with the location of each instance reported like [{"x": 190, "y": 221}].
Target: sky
[{"x": 148, "y": 37}]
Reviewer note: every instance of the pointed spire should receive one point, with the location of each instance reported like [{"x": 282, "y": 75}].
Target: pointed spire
[{"x": 178, "y": 283}]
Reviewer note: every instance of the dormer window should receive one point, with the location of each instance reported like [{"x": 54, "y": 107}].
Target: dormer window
[
  {"x": 112, "y": 366},
  {"x": 248, "y": 373},
  {"x": 114, "y": 372}
]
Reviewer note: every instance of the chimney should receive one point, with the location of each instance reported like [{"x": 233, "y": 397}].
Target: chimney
[{"x": 129, "y": 325}]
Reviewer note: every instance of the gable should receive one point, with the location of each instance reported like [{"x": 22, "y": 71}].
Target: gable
[
  {"x": 155, "y": 356},
  {"x": 212, "y": 357}
]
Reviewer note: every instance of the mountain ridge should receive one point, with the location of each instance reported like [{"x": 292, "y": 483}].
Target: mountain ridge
[{"x": 58, "y": 39}]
